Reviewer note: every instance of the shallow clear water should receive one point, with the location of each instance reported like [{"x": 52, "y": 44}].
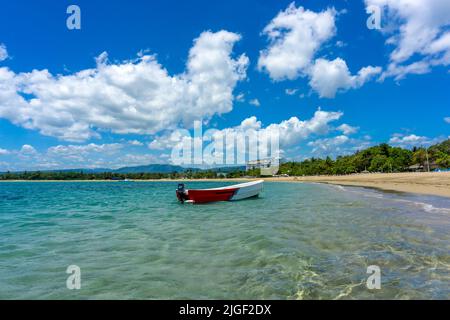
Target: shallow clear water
[{"x": 132, "y": 240}]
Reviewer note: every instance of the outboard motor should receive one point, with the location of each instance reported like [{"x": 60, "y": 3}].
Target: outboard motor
[{"x": 181, "y": 193}]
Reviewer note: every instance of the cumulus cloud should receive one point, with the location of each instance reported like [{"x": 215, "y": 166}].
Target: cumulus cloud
[
  {"x": 347, "y": 129},
  {"x": 290, "y": 131},
  {"x": 338, "y": 145},
  {"x": 295, "y": 36},
  {"x": 64, "y": 150},
  {"x": 3, "y": 151},
  {"x": 89, "y": 155},
  {"x": 411, "y": 140},
  {"x": 138, "y": 97},
  {"x": 294, "y": 130},
  {"x": 329, "y": 77},
  {"x": 113, "y": 155},
  {"x": 28, "y": 150},
  {"x": 327, "y": 144},
  {"x": 419, "y": 30},
  {"x": 250, "y": 123},
  {"x": 3, "y": 52},
  {"x": 168, "y": 140},
  {"x": 286, "y": 134}
]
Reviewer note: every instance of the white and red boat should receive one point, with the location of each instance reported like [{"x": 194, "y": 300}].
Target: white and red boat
[{"x": 228, "y": 193}]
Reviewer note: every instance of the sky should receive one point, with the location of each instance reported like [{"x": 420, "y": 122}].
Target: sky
[{"x": 126, "y": 87}]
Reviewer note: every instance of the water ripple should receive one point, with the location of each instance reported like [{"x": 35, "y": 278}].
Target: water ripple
[{"x": 297, "y": 241}]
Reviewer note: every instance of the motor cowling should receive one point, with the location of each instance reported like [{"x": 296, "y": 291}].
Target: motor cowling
[{"x": 181, "y": 193}]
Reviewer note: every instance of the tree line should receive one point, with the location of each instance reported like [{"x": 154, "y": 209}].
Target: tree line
[{"x": 380, "y": 158}]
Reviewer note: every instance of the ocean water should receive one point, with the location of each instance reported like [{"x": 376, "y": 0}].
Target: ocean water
[{"x": 133, "y": 240}]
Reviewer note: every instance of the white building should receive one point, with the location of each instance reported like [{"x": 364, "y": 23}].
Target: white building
[{"x": 268, "y": 167}]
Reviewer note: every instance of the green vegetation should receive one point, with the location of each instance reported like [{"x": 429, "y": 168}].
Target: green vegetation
[
  {"x": 381, "y": 158},
  {"x": 80, "y": 175}
]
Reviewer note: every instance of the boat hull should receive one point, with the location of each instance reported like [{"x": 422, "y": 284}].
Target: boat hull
[
  {"x": 204, "y": 196},
  {"x": 230, "y": 193}
]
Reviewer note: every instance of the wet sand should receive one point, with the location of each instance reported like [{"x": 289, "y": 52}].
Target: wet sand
[{"x": 431, "y": 183}]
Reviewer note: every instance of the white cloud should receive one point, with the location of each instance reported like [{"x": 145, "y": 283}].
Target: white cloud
[
  {"x": 255, "y": 102},
  {"x": 64, "y": 150},
  {"x": 3, "y": 52},
  {"x": 250, "y": 123},
  {"x": 295, "y": 35},
  {"x": 113, "y": 155},
  {"x": 347, "y": 129},
  {"x": 136, "y": 160},
  {"x": 168, "y": 140},
  {"x": 447, "y": 119},
  {"x": 138, "y": 97},
  {"x": 28, "y": 150},
  {"x": 400, "y": 71},
  {"x": 3, "y": 152},
  {"x": 411, "y": 140},
  {"x": 290, "y": 131},
  {"x": 418, "y": 29},
  {"x": 328, "y": 144},
  {"x": 329, "y": 77},
  {"x": 295, "y": 130},
  {"x": 291, "y": 92},
  {"x": 240, "y": 97},
  {"x": 338, "y": 145},
  {"x": 136, "y": 143},
  {"x": 340, "y": 44}
]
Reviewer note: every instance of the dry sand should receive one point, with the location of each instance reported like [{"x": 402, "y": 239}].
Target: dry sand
[{"x": 432, "y": 183}]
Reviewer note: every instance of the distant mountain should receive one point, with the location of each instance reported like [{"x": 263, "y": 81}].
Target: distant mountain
[
  {"x": 168, "y": 168},
  {"x": 94, "y": 170},
  {"x": 85, "y": 170},
  {"x": 151, "y": 168},
  {"x": 226, "y": 169}
]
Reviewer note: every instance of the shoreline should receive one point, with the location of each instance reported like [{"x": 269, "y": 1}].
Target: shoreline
[{"x": 425, "y": 183}]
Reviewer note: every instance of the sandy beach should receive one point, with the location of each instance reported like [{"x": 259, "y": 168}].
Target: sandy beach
[{"x": 431, "y": 183}]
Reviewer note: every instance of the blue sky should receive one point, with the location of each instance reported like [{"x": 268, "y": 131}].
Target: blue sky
[{"x": 169, "y": 63}]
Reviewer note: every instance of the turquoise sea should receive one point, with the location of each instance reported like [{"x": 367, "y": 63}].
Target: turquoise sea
[{"x": 133, "y": 240}]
